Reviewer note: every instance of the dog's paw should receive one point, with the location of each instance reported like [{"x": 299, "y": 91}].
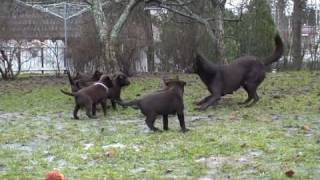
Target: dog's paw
[
  {"x": 200, "y": 108},
  {"x": 196, "y": 103},
  {"x": 156, "y": 130},
  {"x": 185, "y": 130}
]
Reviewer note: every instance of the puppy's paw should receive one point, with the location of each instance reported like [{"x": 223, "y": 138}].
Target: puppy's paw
[
  {"x": 156, "y": 130},
  {"x": 185, "y": 130},
  {"x": 196, "y": 103},
  {"x": 200, "y": 108}
]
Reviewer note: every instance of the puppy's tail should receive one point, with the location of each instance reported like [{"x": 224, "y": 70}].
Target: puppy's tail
[
  {"x": 70, "y": 78},
  {"x": 277, "y": 53},
  {"x": 134, "y": 104},
  {"x": 67, "y": 93}
]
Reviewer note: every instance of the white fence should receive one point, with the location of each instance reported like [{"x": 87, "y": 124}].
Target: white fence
[{"x": 36, "y": 56}]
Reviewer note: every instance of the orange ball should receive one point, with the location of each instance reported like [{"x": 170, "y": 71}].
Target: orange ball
[{"x": 54, "y": 175}]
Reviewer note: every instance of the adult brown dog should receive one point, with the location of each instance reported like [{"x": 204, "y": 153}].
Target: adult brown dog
[
  {"x": 89, "y": 96},
  {"x": 163, "y": 102},
  {"x": 82, "y": 80},
  {"x": 119, "y": 81},
  {"x": 247, "y": 72}
]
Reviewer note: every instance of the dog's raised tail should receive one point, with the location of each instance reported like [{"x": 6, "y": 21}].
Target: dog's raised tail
[
  {"x": 277, "y": 53},
  {"x": 134, "y": 104},
  {"x": 67, "y": 93}
]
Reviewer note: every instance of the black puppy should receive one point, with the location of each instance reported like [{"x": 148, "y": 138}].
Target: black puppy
[
  {"x": 164, "y": 102},
  {"x": 247, "y": 72},
  {"x": 89, "y": 96},
  {"x": 119, "y": 81},
  {"x": 82, "y": 80}
]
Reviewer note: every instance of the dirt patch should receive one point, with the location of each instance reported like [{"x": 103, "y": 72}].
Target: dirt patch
[
  {"x": 7, "y": 115},
  {"x": 215, "y": 164}
]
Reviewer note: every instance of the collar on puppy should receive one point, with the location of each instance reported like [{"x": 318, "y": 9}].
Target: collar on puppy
[{"x": 101, "y": 84}]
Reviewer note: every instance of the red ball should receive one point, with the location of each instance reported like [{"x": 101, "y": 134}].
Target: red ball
[{"x": 54, "y": 175}]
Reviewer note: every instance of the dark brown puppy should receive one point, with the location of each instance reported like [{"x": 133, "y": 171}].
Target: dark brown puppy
[
  {"x": 247, "y": 72},
  {"x": 119, "y": 81},
  {"x": 89, "y": 96},
  {"x": 82, "y": 80},
  {"x": 88, "y": 77},
  {"x": 164, "y": 102}
]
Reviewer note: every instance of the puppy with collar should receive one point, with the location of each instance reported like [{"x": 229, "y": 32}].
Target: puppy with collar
[{"x": 89, "y": 96}]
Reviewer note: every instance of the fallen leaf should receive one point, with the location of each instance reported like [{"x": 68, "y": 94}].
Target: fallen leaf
[
  {"x": 169, "y": 171},
  {"x": 289, "y": 173},
  {"x": 243, "y": 145},
  {"x": 306, "y": 128},
  {"x": 110, "y": 153}
]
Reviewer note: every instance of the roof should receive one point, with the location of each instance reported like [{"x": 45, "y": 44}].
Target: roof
[{"x": 24, "y": 22}]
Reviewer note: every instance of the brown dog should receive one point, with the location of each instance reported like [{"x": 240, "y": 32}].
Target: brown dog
[
  {"x": 247, "y": 72},
  {"x": 89, "y": 96},
  {"x": 119, "y": 81},
  {"x": 82, "y": 80},
  {"x": 164, "y": 102}
]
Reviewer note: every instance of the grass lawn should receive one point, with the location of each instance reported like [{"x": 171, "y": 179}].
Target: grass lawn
[{"x": 280, "y": 133}]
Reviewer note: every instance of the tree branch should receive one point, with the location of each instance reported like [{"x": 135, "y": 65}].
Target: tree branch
[{"x": 122, "y": 19}]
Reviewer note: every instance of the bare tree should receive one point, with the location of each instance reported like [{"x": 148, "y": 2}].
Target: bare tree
[
  {"x": 7, "y": 63},
  {"x": 109, "y": 40},
  {"x": 297, "y": 16}
]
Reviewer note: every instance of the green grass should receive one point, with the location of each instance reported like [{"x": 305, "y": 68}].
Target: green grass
[{"x": 281, "y": 132}]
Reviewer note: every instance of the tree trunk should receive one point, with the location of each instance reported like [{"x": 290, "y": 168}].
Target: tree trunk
[
  {"x": 282, "y": 27},
  {"x": 296, "y": 31},
  {"x": 219, "y": 31},
  {"x": 114, "y": 44},
  {"x": 102, "y": 29},
  {"x": 149, "y": 34}
]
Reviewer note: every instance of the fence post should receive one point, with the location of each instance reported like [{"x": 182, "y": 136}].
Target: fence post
[{"x": 42, "y": 64}]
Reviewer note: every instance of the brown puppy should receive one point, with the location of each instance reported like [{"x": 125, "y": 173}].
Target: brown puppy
[
  {"x": 82, "y": 80},
  {"x": 164, "y": 102},
  {"x": 247, "y": 72},
  {"x": 119, "y": 81},
  {"x": 89, "y": 96}
]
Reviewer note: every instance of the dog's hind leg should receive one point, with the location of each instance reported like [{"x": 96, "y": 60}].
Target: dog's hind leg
[
  {"x": 255, "y": 99},
  {"x": 75, "y": 111},
  {"x": 205, "y": 99},
  {"x": 182, "y": 123},
  {"x": 150, "y": 122},
  {"x": 89, "y": 111},
  {"x": 104, "y": 107},
  {"x": 249, "y": 96},
  {"x": 252, "y": 92},
  {"x": 114, "y": 104},
  {"x": 94, "y": 109},
  {"x": 165, "y": 123},
  {"x": 210, "y": 102}
]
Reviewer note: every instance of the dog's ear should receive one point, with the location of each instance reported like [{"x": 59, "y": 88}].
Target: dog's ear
[
  {"x": 105, "y": 79},
  {"x": 96, "y": 75}
]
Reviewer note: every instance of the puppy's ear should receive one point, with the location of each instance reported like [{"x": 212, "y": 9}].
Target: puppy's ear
[
  {"x": 108, "y": 82},
  {"x": 97, "y": 74}
]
